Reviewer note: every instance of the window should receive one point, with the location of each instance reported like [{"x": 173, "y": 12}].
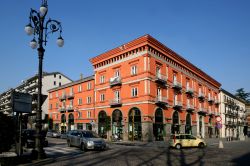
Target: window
[
  {"x": 102, "y": 97},
  {"x": 158, "y": 72},
  {"x": 187, "y": 84},
  {"x": 88, "y": 100},
  {"x": 134, "y": 92},
  {"x": 117, "y": 96},
  {"x": 50, "y": 106},
  {"x": 71, "y": 90},
  {"x": 56, "y": 105},
  {"x": 54, "y": 75},
  {"x": 89, "y": 85},
  {"x": 79, "y": 88},
  {"x": 102, "y": 79},
  {"x": 56, "y": 93},
  {"x": 54, "y": 82},
  {"x": 60, "y": 76},
  {"x": 117, "y": 73},
  {"x": 50, "y": 96},
  {"x": 80, "y": 101},
  {"x": 133, "y": 70},
  {"x": 71, "y": 103},
  {"x": 89, "y": 114},
  {"x": 60, "y": 84}
]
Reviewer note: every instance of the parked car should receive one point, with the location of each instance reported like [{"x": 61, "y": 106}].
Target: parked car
[
  {"x": 28, "y": 138},
  {"x": 186, "y": 140},
  {"x": 65, "y": 135},
  {"x": 85, "y": 140},
  {"x": 53, "y": 133}
]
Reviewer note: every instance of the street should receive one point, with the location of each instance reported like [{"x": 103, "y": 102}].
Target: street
[{"x": 233, "y": 153}]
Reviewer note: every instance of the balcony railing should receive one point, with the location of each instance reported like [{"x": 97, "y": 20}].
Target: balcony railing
[
  {"x": 210, "y": 99},
  {"x": 161, "y": 100},
  {"x": 63, "y": 97},
  {"x": 210, "y": 112},
  {"x": 177, "y": 105},
  {"x": 70, "y": 108},
  {"x": 190, "y": 108},
  {"x": 62, "y": 109},
  {"x": 217, "y": 102},
  {"x": 201, "y": 96},
  {"x": 161, "y": 79},
  {"x": 177, "y": 85},
  {"x": 115, "y": 81},
  {"x": 115, "y": 102},
  {"x": 202, "y": 110},
  {"x": 70, "y": 96},
  {"x": 190, "y": 91}
]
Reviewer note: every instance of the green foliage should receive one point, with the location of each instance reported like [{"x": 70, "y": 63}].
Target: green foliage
[
  {"x": 7, "y": 132},
  {"x": 240, "y": 93}
]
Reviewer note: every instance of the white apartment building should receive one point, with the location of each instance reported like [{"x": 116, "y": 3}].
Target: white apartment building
[
  {"x": 233, "y": 114},
  {"x": 49, "y": 81}
]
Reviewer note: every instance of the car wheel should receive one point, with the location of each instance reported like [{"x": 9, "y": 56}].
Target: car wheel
[
  {"x": 69, "y": 144},
  {"x": 178, "y": 146},
  {"x": 82, "y": 147},
  {"x": 201, "y": 145}
]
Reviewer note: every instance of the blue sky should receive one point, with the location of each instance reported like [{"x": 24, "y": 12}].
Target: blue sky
[{"x": 214, "y": 35}]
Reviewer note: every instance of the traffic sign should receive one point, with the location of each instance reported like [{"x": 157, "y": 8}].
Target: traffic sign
[
  {"x": 218, "y": 119},
  {"x": 219, "y": 125}
]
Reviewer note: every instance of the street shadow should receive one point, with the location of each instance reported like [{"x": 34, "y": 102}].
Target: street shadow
[
  {"x": 242, "y": 160},
  {"x": 180, "y": 157}
]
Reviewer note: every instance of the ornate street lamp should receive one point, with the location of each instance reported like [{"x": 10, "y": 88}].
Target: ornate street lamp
[{"x": 40, "y": 29}]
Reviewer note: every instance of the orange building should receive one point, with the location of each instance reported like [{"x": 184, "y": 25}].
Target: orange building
[{"x": 144, "y": 91}]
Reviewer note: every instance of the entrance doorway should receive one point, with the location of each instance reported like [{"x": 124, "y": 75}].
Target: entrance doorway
[
  {"x": 134, "y": 126},
  {"x": 117, "y": 124},
  {"x": 63, "y": 123},
  {"x": 71, "y": 122},
  {"x": 102, "y": 124},
  {"x": 175, "y": 125},
  {"x": 188, "y": 127},
  {"x": 158, "y": 127}
]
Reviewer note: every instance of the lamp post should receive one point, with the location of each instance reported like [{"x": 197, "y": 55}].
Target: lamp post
[{"x": 40, "y": 28}]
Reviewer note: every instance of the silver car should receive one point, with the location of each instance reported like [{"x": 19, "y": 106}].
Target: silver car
[{"x": 86, "y": 140}]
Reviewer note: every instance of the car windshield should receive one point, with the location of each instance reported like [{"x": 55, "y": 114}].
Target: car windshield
[{"x": 89, "y": 134}]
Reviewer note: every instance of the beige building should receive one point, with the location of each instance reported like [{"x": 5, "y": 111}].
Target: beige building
[
  {"x": 49, "y": 80},
  {"x": 233, "y": 114}
]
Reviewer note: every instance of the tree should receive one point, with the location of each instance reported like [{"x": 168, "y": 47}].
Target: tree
[
  {"x": 7, "y": 132},
  {"x": 240, "y": 93}
]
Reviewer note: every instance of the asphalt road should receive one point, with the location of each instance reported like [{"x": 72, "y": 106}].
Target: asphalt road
[{"x": 233, "y": 153}]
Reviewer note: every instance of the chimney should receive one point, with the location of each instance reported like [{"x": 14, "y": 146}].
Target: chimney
[{"x": 81, "y": 76}]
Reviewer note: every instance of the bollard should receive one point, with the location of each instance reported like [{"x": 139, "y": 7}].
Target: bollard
[{"x": 221, "y": 146}]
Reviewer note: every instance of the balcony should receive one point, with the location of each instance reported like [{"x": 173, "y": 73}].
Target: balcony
[
  {"x": 190, "y": 108},
  {"x": 63, "y": 97},
  {"x": 202, "y": 111},
  {"x": 70, "y": 108},
  {"x": 201, "y": 96},
  {"x": 161, "y": 79},
  {"x": 177, "y": 85},
  {"x": 216, "y": 102},
  {"x": 177, "y": 105},
  {"x": 163, "y": 101},
  {"x": 62, "y": 109},
  {"x": 70, "y": 96},
  {"x": 115, "y": 81},
  {"x": 210, "y": 99},
  {"x": 189, "y": 91},
  {"x": 115, "y": 103},
  {"x": 210, "y": 112}
]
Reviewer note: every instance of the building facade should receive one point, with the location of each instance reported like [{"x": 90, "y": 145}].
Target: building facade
[
  {"x": 71, "y": 106},
  {"x": 248, "y": 117},
  {"x": 233, "y": 115},
  {"x": 144, "y": 91},
  {"x": 49, "y": 80}
]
